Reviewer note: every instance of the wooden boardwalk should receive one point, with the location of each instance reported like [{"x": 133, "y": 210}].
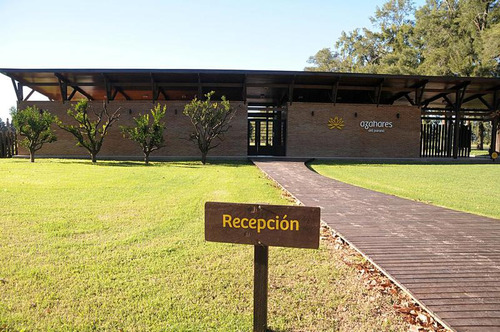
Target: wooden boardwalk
[{"x": 448, "y": 261}]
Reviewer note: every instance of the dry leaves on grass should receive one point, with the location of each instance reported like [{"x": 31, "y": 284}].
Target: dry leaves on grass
[{"x": 411, "y": 311}]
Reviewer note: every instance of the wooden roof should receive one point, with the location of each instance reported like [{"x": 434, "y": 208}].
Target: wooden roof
[{"x": 259, "y": 87}]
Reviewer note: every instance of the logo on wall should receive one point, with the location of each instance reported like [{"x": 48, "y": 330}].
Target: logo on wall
[
  {"x": 336, "y": 123},
  {"x": 375, "y": 126}
]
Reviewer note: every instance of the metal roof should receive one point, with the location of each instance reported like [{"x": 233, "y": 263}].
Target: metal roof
[{"x": 258, "y": 87}]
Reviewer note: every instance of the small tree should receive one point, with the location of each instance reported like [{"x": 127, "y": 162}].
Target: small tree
[
  {"x": 210, "y": 121},
  {"x": 148, "y": 131},
  {"x": 90, "y": 133},
  {"x": 34, "y": 125}
]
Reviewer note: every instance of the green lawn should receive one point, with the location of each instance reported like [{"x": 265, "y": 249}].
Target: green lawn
[
  {"x": 466, "y": 187},
  {"x": 480, "y": 153},
  {"x": 120, "y": 246}
]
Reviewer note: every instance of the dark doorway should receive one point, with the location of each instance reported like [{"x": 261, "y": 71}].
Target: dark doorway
[{"x": 266, "y": 131}]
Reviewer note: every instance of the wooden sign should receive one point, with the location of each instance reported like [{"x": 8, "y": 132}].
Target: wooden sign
[{"x": 264, "y": 225}]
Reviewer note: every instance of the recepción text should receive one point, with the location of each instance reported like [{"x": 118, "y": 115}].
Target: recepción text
[{"x": 277, "y": 224}]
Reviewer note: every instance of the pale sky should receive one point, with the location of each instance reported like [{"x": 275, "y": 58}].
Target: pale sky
[{"x": 182, "y": 34}]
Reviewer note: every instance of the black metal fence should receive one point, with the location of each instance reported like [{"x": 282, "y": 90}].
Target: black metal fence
[
  {"x": 8, "y": 141},
  {"x": 436, "y": 140}
]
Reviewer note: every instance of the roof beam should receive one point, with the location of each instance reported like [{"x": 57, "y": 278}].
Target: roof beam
[
  {"x": 74, "y": 86},
  {"x": 290, "y": 91},
  {"x": 470, "y": 98},
  {"x": 490, "y": 107},
  {"x": 335, "y": 90},
  {"x": 120, "y": 90},
  {"x": 200, "y": 88},
  {"x": 412, "y": 103},
  {"x": 72, "y": 94},
  {"x": 244, "y": 89},
  {"x": 435, "y": 97},
  {"x": 18, "y": 88},
  {"x": 114, "y": 94},
  {"x": 29, "y": 95},
  {"x": 419, "y": 91},
  {"x": 107, "y": 87},
  {"x": 163, "y": 93},
  {"x": 63, "y": 88},
  {"x": 155, "y": 88},
  {"x": 448, "y": 100}
]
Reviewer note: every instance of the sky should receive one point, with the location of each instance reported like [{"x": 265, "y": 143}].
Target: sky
[{"x": 182, "y": 34}]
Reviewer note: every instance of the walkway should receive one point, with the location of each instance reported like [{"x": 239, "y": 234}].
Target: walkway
[{"x": 448, "y": 261}]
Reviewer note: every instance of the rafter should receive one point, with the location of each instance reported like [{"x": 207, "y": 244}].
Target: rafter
[
  {"x": 335, "y": 90},
  {"x": 412, "y": 103},
  {"x": 290, "y": 90},
  {"x": 72, "y": 94},
  {"x": 29, "y": 95},
  {"x": 74, "y": 86},
  {"x": 18, "y": 88},
  {"x": 120, "y": 90}
]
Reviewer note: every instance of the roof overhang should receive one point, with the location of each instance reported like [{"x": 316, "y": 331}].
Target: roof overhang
[{"x": 259, "y": 87}]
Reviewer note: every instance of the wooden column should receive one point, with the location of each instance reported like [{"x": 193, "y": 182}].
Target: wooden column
[
  {"x": 459, "y": 96},
  {"x": 494, "y": 126}
]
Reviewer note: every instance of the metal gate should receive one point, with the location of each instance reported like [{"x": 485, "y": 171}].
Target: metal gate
[
  {"x": 436, "y": 140},
  {"x": 8, "y": 141},
  {"x": 266, "y": 131}
]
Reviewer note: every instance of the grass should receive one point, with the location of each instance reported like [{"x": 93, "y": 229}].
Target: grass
[
  {"x": 483, "y": 153},
  {"x": 120, "y": 246},
  {"x": 465, "y": 187}
]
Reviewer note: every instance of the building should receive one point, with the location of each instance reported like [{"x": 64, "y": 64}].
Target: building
[{"x": 278, "y": 113}]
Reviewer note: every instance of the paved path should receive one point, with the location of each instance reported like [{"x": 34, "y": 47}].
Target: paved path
[{"x": 449, "y": 261}]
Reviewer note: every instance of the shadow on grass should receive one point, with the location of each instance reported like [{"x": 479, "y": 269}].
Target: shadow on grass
[
  {"x": 381, "y": 163},
  {"x": 138, "y": 163}
]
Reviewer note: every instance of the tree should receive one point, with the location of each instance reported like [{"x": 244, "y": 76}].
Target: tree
[
  {"x": 390, "y": 48},
  {"x": 148, "y": 131},
  {"x": 34, "y": 124},
  {"x": 210, "y": 121},
  {"x": 90, "y": 133},
  {"x": 443, "y": 37}
]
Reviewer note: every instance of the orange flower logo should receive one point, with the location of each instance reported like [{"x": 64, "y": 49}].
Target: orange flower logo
[{"x": 336, "y": 123}]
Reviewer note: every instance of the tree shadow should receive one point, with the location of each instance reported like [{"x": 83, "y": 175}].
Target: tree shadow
[
  {"x": 188, "y": 163},
  {"x": 382, "y": 162}
]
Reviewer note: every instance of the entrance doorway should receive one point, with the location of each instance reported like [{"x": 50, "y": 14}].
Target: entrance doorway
[{"x": 266, "y": 131}]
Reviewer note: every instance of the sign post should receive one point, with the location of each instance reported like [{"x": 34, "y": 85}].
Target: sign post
[
  {"x": 261, "y": 256},
  {"x": 262, "y": 225}
]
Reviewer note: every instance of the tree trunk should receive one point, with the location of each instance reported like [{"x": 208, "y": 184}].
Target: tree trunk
[
  {"x": 481, "y": 136},
  {"x": 203, "y": 158},
  {"x": 94, "y": 158},
  {"x": 146, "y": 158},
  {"x": 32, "y": 156}
]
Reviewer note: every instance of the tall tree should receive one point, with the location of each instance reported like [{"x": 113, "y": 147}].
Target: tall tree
[
  {"x": 148, "y": 131},
  {"x": 34, "y": 125},
  {"x": 443, "y": 37},
  {"x": 89, "y": 132},
  {"x": 388, "y": 48},
  {"x": 210, "y": 121}
]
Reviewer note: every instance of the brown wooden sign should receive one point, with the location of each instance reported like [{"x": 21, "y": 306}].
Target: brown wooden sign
[{"x": 261, "y": 224}]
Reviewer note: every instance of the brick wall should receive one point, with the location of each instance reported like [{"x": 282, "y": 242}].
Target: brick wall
[
  {"x": 307, "y": 135},
  {"x": 178, "y": 128},
  {"x": 310, "y": 136}
]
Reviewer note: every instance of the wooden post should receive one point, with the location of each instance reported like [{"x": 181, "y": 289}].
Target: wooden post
[
  {"x": 456, "y": 129},
  {"x": 260, "y": 288},
  {"x": 493, "y": 142}
]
